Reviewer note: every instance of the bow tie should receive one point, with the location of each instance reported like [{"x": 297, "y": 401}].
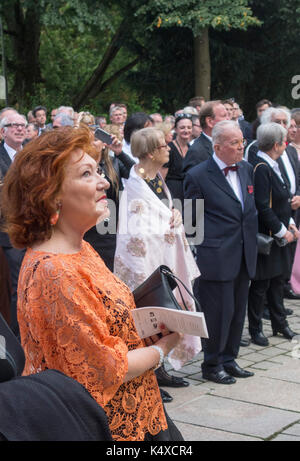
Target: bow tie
[{"x": 232, "y": 168}]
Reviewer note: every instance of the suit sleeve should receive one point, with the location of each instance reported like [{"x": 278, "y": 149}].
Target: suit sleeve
[{"x": 262, "y": 188}]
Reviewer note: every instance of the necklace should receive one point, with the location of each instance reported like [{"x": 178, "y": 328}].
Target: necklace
[
  {"x": 179, "y": 148},
  {"x": 155, "y": 183}
]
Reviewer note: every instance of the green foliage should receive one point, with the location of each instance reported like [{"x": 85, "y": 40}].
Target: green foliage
[
  {"x": 72, "y": 36},
  {"x": 196, "y": 15}
]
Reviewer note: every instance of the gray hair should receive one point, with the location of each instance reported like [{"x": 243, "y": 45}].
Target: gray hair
[
  {"x": 268, "y": 134},
  {"x": 5, "y": 120},
  {"x": 65, "y": 120},
  {"x": 269, "y": 114},
  {"x": 66, "y": 109},
  {"x": 220, "y": 128},
  {"x": 113, "y": 109}
]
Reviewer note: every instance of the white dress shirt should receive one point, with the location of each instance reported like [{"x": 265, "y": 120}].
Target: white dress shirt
[
  {"x": 232, "y": 178},
  {"x": 289, "y": 171}
]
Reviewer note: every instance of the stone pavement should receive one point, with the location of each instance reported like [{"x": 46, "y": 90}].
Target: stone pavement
[{"x": 263, "y": 407}]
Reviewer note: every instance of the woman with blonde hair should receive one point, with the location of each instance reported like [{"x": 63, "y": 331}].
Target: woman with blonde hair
[{"x": 151, "y": 234}]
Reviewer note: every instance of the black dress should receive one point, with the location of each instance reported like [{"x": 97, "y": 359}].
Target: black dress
[
  {"x": 104, "y": 239},
  {"x": 175, "y": 176}
]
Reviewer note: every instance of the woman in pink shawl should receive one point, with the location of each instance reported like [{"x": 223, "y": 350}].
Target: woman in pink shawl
[{"x": 151, "y": 233}]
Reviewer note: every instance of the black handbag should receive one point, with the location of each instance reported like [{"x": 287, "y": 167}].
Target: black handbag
[
  {"x": 12, "y": 357},
  {"x": 264, "y": 243},
  {"x": 157, "y": 290}
]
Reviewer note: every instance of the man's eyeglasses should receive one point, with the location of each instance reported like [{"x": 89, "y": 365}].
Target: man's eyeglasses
[
  {"x": 242, "y": 143},
  {"x": 160, "y": 147},
  {"x": 15, "y": 125}
]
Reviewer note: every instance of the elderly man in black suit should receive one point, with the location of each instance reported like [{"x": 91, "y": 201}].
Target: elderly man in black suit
[
  {"x": 211, "y": 113},
  {"x": 227, "y": 255},
  {"x": 13, "y": 132}
]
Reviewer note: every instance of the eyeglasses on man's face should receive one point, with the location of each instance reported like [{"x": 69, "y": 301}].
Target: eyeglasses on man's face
[
  {"x": 16, "y": 125},
  {"x": 242, "y": 142}
]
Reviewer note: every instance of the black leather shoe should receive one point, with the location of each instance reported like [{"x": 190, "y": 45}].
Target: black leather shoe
[
  {"x": 236, "y": 371},
  {"x": 290, "y": 294},
  {"x": 259, "y": 339},
  {"x": 164, "y": 379},
  {"x": 220, "y": 377},
  {"x": 288, "y": 311},
  {"x": 165, "y": 396},
  {"x": 245, "y": 342},
  {"x": 286, "y": 332}
]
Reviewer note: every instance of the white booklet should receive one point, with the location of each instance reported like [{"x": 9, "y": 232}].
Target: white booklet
[{"x": 147, "y": 321}]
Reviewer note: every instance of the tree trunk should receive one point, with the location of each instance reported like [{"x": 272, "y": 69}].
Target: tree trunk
[
  {"x": 25, "y": 30},
  {"x": 202, "y": 65}
]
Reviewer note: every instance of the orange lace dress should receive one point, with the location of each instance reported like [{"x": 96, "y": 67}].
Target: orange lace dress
[{"x": 74, "y": 316}]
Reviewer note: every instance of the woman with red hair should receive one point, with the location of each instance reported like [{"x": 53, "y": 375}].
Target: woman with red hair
[{"x": 74, "y": 314}]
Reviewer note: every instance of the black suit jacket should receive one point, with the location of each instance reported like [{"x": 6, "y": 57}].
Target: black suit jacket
[
  {"x": 5, "y": 160},
  {"x": 270, "y": 218},
  {"x": 200, "y": 150},
  {"x": 229, "y": 230},
  {"x": 293, "y": 158},
  {"x": 5, "y": 163}
]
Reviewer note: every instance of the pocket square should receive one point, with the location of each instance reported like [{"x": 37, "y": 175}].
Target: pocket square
[{"x": 250, "y": 189}]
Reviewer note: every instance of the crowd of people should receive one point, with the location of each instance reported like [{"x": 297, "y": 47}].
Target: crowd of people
[{"x": 70, "y": 256}]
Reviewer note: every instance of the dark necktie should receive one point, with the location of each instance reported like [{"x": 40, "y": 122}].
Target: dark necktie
[{"x": 232, "y": 168}]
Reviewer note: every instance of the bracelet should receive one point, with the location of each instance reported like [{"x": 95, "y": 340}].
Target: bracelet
[{"x": 161, "y": 357}]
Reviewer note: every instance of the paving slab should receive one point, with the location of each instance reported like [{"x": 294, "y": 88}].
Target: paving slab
[
  {"x": 263, "y": 390},
  {"x": 288, "y": 372},
  {"x": 203, "y": 434},
  {"x": 286, "y": 438},
  {"x": 229, "y": 415},
  {"x": 182, "y": 396},
  {"x": 293, "y": 430}
]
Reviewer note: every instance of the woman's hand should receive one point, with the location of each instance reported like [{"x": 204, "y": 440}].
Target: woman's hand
[
  {"x": 167, "y": 342},
  {"x": 145, "y": 358},
  {"x": 116, "y": 145},
  {"x": 294, "y": 231},
  {"x": 176, "y": 219},
  {"x": 295, "y": 202},
  {"x": 289, "y": 236}
]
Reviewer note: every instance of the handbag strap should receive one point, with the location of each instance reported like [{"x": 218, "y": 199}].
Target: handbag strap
[
  {"x": 169, "y": 273},
  {"x": 270, "y": 200}
]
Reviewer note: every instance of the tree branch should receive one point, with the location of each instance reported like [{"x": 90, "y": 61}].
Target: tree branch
[{"x": 98, "y": 73}]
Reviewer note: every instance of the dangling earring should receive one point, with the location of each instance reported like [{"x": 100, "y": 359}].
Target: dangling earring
[{"x": 54, "y": 218}]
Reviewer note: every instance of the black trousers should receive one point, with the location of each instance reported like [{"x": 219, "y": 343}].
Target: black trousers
[
  {"x": 224, "y": 306},
  {"x": 14, "y": 259},
  {"x": 272, "y": 290}
]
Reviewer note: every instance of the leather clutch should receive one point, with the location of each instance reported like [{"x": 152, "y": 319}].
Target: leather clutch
[
  {"x": 264, "y": 244},
  {"x": 157, "y": 290}
]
